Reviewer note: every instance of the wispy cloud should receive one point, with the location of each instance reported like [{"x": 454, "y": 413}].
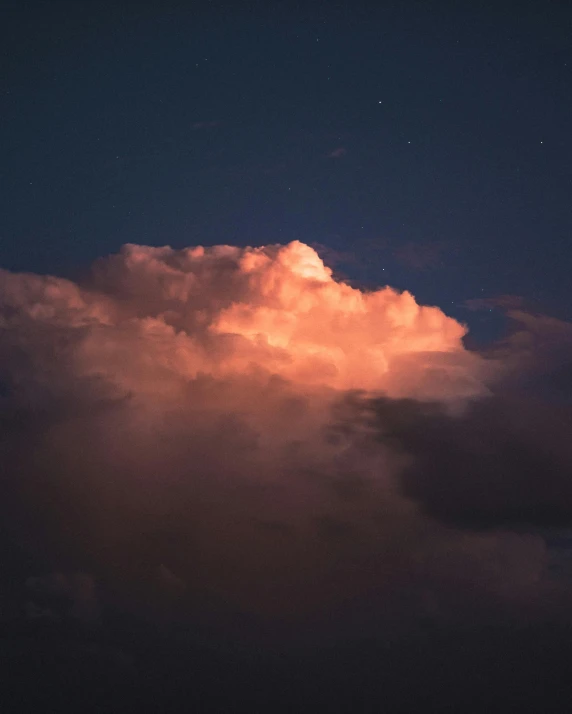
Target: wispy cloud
[
  {"x": 421, "y": 256},
  {"x": 196, "y": 126},
  {"x": 337, "y": 153}
]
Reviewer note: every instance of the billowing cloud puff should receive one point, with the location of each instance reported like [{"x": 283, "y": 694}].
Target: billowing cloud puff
[
  {"x": 178, "y": 425},
  {"x": 225, "y": 310}
]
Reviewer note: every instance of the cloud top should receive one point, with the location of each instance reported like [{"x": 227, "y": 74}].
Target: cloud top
[{"x": 225, "y": 310}]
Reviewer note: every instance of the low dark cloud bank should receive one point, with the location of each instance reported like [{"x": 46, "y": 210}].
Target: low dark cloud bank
[{"x": 224, "y": 470}]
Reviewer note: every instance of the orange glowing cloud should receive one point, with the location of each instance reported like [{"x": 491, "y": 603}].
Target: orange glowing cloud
[
  {"x": 195, "y": 387},
  {"x": 154, "y": 315}
]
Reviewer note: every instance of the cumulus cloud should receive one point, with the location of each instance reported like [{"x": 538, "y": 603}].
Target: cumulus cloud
[{"x": 188, "y": 425}]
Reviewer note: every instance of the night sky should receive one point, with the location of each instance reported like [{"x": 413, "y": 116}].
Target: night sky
[
  {"x": 427, "y": 144},
  {"x": 286, "y": 357}
]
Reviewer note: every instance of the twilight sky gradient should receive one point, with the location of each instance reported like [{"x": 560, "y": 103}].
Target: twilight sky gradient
[{"x": 286, "y": 354}]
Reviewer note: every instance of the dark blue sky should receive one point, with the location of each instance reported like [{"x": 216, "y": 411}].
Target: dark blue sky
[{"x": 428, "y": 144}]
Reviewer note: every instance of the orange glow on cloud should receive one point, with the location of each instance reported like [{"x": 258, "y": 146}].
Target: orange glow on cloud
[
  {"x": 154, "y": 314},
  {"x": 264, "y": 326},
  {"x": 201, "y": 383}
]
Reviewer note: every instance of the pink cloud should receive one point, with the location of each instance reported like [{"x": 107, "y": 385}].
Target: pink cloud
[{"x": 173, "y": 419}]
